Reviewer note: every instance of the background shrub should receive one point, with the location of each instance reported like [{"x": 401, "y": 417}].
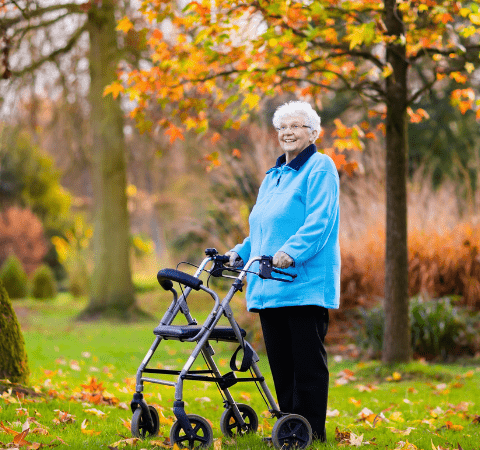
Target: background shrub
[
  {"x": 43, "y": 283},
  {"x": 439, "y": 329},
  {"x": 78, "y": 280},
  {"x": 22, "y": 233},
  {"x": 14, "y": 277},
  {"x": 14, "y": 361}
]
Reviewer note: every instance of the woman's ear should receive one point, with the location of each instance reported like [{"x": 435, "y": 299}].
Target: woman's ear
[{"x": 313, "y": 136}]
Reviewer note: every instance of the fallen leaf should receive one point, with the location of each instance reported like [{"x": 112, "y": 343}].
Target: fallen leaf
[
  {"x": 245, "y": 396},
  {"x": 7, "y": 430},
  {"x": 342, "y": 436},
  {"x": 163, "y": 444},
  {"x": 396, "y": 376},
  {"x": 124, "y": 442},
  {"x": 95, "y": 412},
  {"x": 334, "y": 413},
  {"x": 19, "y": 439},
  {"x": 452, "y": 426},
  {"x": 63, "y": 417},
  {"x": 356, "y": 440},
  {"x": 402, "y": 432},
  {"x": 217, "y": 445},
  {"x": 354, "y": 401},
  {"x": 397, "y": 417},
  {"x": 83, "y": 429}
]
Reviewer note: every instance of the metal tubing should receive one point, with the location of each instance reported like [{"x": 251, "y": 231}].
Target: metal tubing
[
  {"x": 156, "y": 381},
  {"x": 265, "y": 389}
]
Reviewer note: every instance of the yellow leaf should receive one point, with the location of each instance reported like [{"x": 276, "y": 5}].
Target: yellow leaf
[
  {"x": 124, "y": 25},
  {"x": 354, "y": 401},
  {"x": 475, "y": 18},
  {"x": 387, "y": 70},
  {"x": 83, "y": 429},
  {"x": 217, "y": 445},
  {"x": 396, "y": 417},
  {"x": 469, "y": 67},
  {"x": 251, "y": 100},
  {"x": 115, "y": 88}
]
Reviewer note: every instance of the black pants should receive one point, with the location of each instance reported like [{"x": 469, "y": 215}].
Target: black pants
[{"x": 294, "y": 338}]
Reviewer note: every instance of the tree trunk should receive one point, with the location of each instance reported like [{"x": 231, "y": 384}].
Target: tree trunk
[
  {"x": 112, "y": 292},
  {"x": 397, "y": 335}
]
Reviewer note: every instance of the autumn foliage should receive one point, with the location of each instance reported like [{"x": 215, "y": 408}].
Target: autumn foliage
[
  {"x": 21, "y": 234},
  {"x": 440, "y": 264}
]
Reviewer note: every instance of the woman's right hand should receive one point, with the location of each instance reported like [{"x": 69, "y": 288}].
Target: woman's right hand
[{"x": 235, "y": 260}]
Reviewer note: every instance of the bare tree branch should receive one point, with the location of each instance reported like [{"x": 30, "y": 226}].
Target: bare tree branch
[
  {"x": 72, "y": 8},
  {"x": 24, "y": 30},
  {"x": 51, "y": 57}
]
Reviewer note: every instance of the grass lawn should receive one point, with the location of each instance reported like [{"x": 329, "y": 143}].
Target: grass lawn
[{"x": 85, "y": 372}]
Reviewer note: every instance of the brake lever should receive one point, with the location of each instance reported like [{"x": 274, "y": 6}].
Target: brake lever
[
  {"x": 218, "y": 265},
  {"x": 266, "y": 269},
  {"x": 292, "y": 275}
]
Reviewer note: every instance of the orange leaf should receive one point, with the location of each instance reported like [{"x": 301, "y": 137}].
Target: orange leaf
[
  {"x": 215, "y": 138},
  {"x": 174, "y": 133},
  {"x": 19, "y": 439}
]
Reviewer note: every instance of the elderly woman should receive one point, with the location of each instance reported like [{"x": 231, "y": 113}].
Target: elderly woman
[{"x": 296, "y": 219}]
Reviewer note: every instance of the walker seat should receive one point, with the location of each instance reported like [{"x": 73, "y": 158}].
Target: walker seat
[{"x": 183, "y": 332}]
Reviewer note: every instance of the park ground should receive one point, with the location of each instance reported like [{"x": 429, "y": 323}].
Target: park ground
[{"x": 84, "y": 378}]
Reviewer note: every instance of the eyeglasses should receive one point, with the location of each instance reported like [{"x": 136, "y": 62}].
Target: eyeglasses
[{"x": 295, "y": 127}]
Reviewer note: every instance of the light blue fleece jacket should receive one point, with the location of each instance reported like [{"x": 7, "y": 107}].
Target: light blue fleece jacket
[{"x": 297, "y": 212}]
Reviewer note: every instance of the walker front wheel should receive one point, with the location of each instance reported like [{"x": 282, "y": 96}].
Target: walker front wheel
[
  {"x": 202, "y": 434},
  {"x": 230, "y": 426},
  {"x": 139, "y": 426},
  {"x": 291, "y": 432}
]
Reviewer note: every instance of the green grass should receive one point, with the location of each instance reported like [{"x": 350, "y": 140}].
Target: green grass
[{"x": 435, "y": 404}]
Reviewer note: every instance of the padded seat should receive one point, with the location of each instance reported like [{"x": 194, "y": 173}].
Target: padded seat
[{"x": 180, "y": 333}]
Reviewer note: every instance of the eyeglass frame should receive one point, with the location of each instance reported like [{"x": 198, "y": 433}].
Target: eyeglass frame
[{"x": 283, "y": 129}]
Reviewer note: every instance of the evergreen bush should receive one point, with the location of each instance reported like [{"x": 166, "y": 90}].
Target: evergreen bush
[
  {"x": 439, "y": 329},
  {"x": 78, "y": 281},
  {"x": 13, "y": 360},
  {"x": 43, "y": 283},
  {"x": 14, "y": 277}
]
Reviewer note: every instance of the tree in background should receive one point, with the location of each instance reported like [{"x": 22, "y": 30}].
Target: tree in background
[
  {"x": 35, "y": 34},
  {"x": 225, "y": 56}
]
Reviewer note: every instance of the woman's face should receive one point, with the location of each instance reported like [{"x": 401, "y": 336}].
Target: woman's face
[{"x": 294, "y": 135}]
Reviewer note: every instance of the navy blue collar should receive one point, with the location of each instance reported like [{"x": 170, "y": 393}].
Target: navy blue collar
[{"x": 297, "y": 162}]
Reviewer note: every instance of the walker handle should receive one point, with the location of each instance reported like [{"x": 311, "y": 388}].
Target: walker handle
[{"x": 266, "y": 269}]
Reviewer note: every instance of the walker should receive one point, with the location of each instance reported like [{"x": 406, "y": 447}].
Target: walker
[{"x": 189, "y": 430}]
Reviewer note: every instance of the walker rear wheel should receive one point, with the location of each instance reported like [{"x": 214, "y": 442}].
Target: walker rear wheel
[
  {"x": 230, "y": 425},
  {"x": 139, "y": 426},
  {"x": 291, "y": 432},
  {"x": 202, "y": 438}
]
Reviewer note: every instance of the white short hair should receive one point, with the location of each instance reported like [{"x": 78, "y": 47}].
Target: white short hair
[{"x": 294, "y": 108}]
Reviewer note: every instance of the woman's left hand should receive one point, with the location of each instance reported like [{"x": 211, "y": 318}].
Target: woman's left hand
[{"x": 282, "y": 260}]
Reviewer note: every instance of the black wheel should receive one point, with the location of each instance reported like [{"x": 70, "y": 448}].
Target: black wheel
[
  {"x": 230, "y": 426},
  {"x": 203, "y": 434},
  {"x": 139, "y": 426},
  {"x": 292, "y": 431}
]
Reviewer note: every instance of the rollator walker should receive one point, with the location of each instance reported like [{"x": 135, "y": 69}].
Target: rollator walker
[{"x": 189, "y": 430}]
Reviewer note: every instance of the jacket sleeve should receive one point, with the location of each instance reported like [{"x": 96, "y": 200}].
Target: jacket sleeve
[
  {"x": 243, "y": 249},
  {"x": 322, "y": 208}
]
